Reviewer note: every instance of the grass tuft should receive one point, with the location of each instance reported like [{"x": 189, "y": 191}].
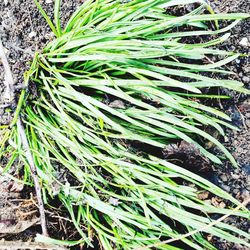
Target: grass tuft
[{"x": 80, "y": 136}]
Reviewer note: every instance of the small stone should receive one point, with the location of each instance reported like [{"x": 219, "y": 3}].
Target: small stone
[
  {"x": 237, "y": 61},
  {"x": 49, "y": 1},
  {"x": 235, "y": 176},
  {"x": 223, "y": 177},
  {"x": 236, "y": 191},
  {"x": 246, "y": 69},
  {"x": 244, "y": 42},
  {"x": 237, "y": 170},
  {"x": 225, "y": 187},
  {"x": 247, "y": 122},
  {"x": 6, "y": 50},
  {"x": 245, "y": 194},
  {"x": 246, "y": 79},
  {"x": 32, "y": 34},
  {"x": 49, "y": 35}
]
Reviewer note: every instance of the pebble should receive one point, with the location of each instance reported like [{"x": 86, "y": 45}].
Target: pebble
[
  {"x": 32, "y": 34},
  {"x": 235, "y": 176},
  {"x": 247, "y": 122},
  {"x": 49, "y": 35},
  {"x": 49, "y": 1},
  {"x": 223, "y": 177},
  {"x": 246, "y": 69},
  {"x": 236, "y": 191},
  {"x": 237, "y": 61},
  {"x": 225, "y": 187},
  {"x": 246, "y": 79},
  {"x": 236, "y": 171},
  {"x": 245, "y": 194},
  {"x": 244, "y": 42}
]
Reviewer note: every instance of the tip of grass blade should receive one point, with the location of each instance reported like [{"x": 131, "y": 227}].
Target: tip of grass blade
[{"x": 46, "y": 17}]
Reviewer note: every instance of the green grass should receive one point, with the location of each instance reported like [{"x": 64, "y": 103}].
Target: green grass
[{"x": 133, "y": 52}]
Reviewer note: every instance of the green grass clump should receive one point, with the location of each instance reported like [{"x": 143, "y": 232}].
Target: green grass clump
[{"x": 134, "y": 52}]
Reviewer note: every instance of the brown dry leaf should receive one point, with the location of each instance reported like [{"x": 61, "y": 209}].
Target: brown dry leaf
[
  {"x": 217, "y": 202},
  {"x": 17, "y": 216},
  {"x": 222, "y": 205},
  {"x": 9, "y": 188},
  {"x": 203, "y": 195},
  {"x": 6, "y": 226},
  {"x": 16, "y": 187}
]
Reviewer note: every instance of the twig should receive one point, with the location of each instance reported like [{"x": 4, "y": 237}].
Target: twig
[
  {"x": 34, "y": 174},
  {"x": 9, "y": 81},
  {"x": 243, "y": 204}
]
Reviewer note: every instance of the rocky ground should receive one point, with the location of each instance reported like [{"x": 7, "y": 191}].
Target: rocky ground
[
  {"x": 237, "y": 181},
  {"x": 23, "y": 32}
]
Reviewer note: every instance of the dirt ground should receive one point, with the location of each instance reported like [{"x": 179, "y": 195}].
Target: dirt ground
[{"x": 23, "y": 32}]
